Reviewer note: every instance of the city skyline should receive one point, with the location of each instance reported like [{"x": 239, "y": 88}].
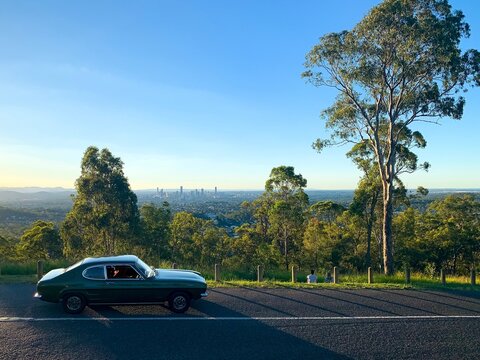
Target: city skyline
[{"x": 201, "y": 95}]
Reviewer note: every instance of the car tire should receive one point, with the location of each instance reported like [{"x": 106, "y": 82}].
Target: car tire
[
  {"x": 73, "y": 303},
  {"x": 179, "y": 302}
]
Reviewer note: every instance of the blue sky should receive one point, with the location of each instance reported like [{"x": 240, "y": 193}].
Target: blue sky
[{"x": 192, "y": 93}]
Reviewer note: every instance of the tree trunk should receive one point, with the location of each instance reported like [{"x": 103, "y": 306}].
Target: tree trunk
[
  {"x": 387, "y": 226},
  {"x": 370, "y": 221},
  {"x": 285, "y": 239}
]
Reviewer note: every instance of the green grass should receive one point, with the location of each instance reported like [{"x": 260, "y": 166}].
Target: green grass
[
  {"x": 277, "y": 278},
  {"x": 30, "y": 267},
  {"x": 273, "y": 284},
  {"x": 418, "y": 281}
]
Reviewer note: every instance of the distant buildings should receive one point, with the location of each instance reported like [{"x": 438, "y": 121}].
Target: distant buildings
[{"x": 181, "y": 195}]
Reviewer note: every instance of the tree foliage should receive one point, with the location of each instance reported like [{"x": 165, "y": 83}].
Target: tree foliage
[
  {"x": 40, "y": 242},
  {"x": 104, "y": 218},
  {"x": 197, "y": 241},
  {"x": 286, "y": 211},
  {"x": 155, "y": 230},
  {"x": 446, "y": 235}
]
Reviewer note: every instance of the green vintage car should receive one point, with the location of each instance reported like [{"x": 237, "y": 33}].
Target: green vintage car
[{"x": 121, "y": 279}]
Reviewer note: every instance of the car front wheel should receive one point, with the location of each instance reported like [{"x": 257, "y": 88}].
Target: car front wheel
[
  {"x": 73, "y": 303},
  {"x": 179, "y": 302}
]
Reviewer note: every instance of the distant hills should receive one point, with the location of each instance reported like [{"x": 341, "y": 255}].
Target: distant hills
[
  {"x": 35, "y": 189},
  {"x": 33, "y": 197}
]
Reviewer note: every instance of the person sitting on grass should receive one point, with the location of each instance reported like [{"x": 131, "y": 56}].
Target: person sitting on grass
[{"x": 312, "y": 278}]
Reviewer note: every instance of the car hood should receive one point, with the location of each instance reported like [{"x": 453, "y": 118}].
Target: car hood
[
  {"x": 52, "y": 273},
  {"x": 162, "y": 274}
]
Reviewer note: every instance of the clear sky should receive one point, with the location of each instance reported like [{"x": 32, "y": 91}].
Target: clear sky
[{"x": 192, "y": 93}]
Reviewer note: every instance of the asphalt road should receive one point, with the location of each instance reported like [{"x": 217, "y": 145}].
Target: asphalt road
[{"x": 249, "y": 324}]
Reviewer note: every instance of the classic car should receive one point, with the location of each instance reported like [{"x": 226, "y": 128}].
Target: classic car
[{"x": 122, "y": 280}]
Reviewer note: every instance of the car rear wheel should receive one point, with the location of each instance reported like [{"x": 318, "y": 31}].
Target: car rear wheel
[
  {"x": 73, "y": 303},
  {"x": 179, "y": 302}
]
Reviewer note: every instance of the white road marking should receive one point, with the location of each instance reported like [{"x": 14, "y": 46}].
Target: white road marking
[{"x": 228, "y": 318}]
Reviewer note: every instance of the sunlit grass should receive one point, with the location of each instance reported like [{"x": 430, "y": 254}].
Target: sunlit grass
[
  {"x": 352, "y": 281},
  {"x": 272, "y": 284},
  {"x": 30, "y": 267},
  {"x": 273, "y": 278}
]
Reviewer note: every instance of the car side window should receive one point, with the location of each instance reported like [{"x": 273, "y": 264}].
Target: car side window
[
  {"x": 94, "y": 273},
  {"x": 121, "y": 272}
]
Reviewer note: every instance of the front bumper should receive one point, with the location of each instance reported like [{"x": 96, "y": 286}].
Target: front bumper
[
  {"x": 204, "y": 294},
  {"x": 37, "y": 296}
]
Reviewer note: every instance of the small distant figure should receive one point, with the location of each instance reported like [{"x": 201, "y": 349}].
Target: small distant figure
[
  {"x": 328, "y": 277},
  {"x": 312, "y": 278}
]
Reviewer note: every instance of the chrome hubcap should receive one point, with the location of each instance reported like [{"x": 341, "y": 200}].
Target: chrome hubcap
[
  {"x": 74, "y": 303},
  {"x": 179, "y": 302}
]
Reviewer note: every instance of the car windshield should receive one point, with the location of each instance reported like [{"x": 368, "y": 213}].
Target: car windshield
[{"x": 145, "y": 269}]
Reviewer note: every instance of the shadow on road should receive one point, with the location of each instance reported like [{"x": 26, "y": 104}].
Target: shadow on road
[
  {"x": 418, "y": 310},
  {"x": 323, "y": 294},
  {"x": 457, "y": 295},
  {"x": 432, "y": 298},
  {"x": 304, "y": 304},
  {"x": 131, "y": 338}
]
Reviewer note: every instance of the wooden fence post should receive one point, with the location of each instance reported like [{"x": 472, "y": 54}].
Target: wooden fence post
[
  {"x": 407, "y": 275},
  {"x": 473, "y": 277},
  {"x": 259, "y": 273},
  {"x": 370, "y": 275},
  {"x": 39, "y": 269},
  {"x": 217, "y": 272},
  {"x": 294, "y": 274},
  {"x": 442, "y": 277},
  {"x": 335, "y": 275}
]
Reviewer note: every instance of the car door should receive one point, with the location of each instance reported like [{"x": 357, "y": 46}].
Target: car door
[{"x": 124, "y": 284}]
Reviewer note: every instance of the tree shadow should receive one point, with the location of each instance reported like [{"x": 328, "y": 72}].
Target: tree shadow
[
  {"x": 303, "y": 303},
  {"x": 460, "y": 295},
  {"x": 120, "y": 334},
  {"x": 432, "y": 301},
  {"x": 390, "y": 302},
  {"x": 357, "y": 304}
]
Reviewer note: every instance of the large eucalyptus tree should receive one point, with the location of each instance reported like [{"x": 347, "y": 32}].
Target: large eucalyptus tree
[
  {"x": 104, "y": 217},
  {"x": 400, "y": 65}
]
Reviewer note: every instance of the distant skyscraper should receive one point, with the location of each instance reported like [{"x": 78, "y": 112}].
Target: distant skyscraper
[
  {"x": 215, "y": 191},
  {"x": 181, "y": 191},
  {"x": 201, "y": 192}
]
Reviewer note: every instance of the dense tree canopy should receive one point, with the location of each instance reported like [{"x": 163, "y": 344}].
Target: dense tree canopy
[
  {"x": 41, "y": 241},
  {"x": 155, "y": 225},
  {"x": 286, "y": 213},
  {"x": 105, "y": 217}
]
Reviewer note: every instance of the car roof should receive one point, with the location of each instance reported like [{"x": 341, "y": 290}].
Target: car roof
[{"x": 109, "y": 259}]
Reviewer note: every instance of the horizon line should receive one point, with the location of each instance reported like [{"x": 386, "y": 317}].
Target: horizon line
[{"x": 213, "y": 189}]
